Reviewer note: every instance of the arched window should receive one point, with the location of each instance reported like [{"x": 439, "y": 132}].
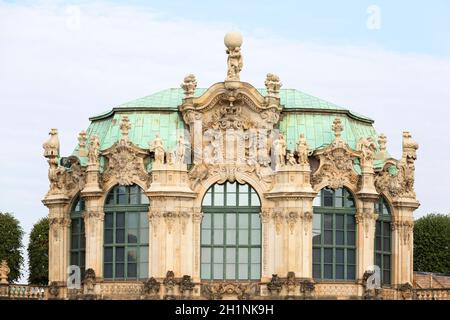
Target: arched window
[
  {"x": 77, "y": 236},
  {"x": 126, "y": 234},
  {"x": 334, "y": 235},
  {"x": 383, "y": 235},
  {"x": 231, "y": 233}
]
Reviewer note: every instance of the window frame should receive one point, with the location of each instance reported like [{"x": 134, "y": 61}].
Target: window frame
[
  {"x": 237, "y": 210},
  {"x": 347, "y": 212},
  {"x": 140, "y": 209},
  {"x": 384, "y": 218}
]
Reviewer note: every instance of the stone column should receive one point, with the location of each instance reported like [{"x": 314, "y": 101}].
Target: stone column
[
  {"x": 402, "y": 241},
  {"x": 93, "y": 217},
  {"x": 173, "y": 222},
  {"x": 59, "y": 238}
]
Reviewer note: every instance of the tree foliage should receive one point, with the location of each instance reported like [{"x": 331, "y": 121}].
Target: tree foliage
[
  {"x": 11, "y": 234},
  {"x": 38, "y": 253},
  {"x": 432, "y": 243}
]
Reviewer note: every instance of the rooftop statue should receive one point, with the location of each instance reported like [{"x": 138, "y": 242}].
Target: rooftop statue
[{"x": 233, "y": 42}]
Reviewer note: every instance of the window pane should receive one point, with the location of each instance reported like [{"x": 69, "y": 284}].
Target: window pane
[
  {"x": 134, "y": 198},
  {"x": 243, "y": 199},
  {"x": 218, "y": 199},
  {"x": 255, "y": 271},
  {"x": 340, "y": 237},
  {"x": 255, "y": 200},
  {"x": 108, "y": 272},
  {"x": 348, "y": 202},
  {"x": 328, "y": 221},
  {"x": 121, "y": 197},
  {"x": 75, "y": 225},
  {"x": 327, "y": 197},
  {"x": 328, "y": 237},
  {"x": 206, "y": 271},
  {"x": 206, "y": 255},
  {"x": 231, "y": 199},
  {"x": 231, "y": 237},
  {"x": 230, "y": 272},
  {"x": 243, "y": 188},
  {"x": 218, "y": 255},
  {"x": 230, "y": 255},
  {"x": 339, "y": 256},
  {"x": 144, "y": 235},
  {"x": 338, "y": 202},
  {"x": 82, "y": 241},
  {"x": 243, "y": 237},
  {"x": 328, "y": 271},
  {"x": 74, "y": 258},
  {"x": 217, "y": 271},
  {"x": 316, "y": 255},
  {"x": 316, "y": 201},
  {"x": 120, "y": 270},
  {"x": 351, "y": 256},
  {"x": 74, "y": 242},
  {"x": 350, "y": 272},
  {"x": 231, "y": 221},
  {"x": 218, "y": 237},
  {"x": 256, "y": 237},
  {"x": 351, "y": 238},
  {"x": 386, "y": 244},
  {"x": 218, "y": 188},
  {"x": 386, "y": 229},
  {"x": 143, "y": 254},
  {"x": 143, "y": 270},
  {"x": 350, "y": 222},
  {"x": 120, "y": 220},
  {"x": 316, "y": 271},
  {"x": 206, "y": 221},
  {"x": 339, "y": 272},
  {"x": 110, "y": 199},
  {"x": 143, "y": 220},
  {"x": 255, "y": 255},
  {"x": 231, "y": 187},
  {"x": 108, "y": 255},
  {"x": 108, "y": 236},
  {"x": 132, "y": 235},
  {"x": 243, "y": 255},
  {"x": 378, "y": 243},
  {"x": 386, "y": 277},
  {"x": 132, "y": 270},
  {"x": 207, "y": 199},
  {"x": 328, "y": 255},
  {"x": 131, "y": 255},
  {"x": 120, "y": 235},
  {"x": 316, "y": 239},
  {"x": 218, "y": 221},
  {"x": 120, "y": 254},
  {"x": 339, "y": 222},
  {"x": 386, "y": 261},
  {"x": 144, "y": 199},
  {"x": 206, "y": 237},
  {"x": 378, "y": 260},
  {"x": 243, "y": 271},
  {"x": 316, "y": 223},
  {"x": 256, "y": 221},
  {"x": 132, "y": 219},
  {"x": 109, "y": 222},
  {"x": 378, "y": 228},
  {"x": 243, "y": 220}
]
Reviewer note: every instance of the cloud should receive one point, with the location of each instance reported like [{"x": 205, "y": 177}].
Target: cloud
[{"x": 55, "y": 72}]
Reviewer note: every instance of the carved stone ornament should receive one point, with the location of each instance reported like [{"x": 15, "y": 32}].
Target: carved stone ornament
[
  {"x": 186, "y": 284},
  {"x": 4, "y": 272},
  {"x": 291, "y": 282},
  {"x": 302, "y": 150},
  {"x": 157, "y": 146},
  {"x": 405, "y": 229},
  {"x": 336, "y": 163},
  {"x": 406, "y": 291},
  {"x": 94, "y": 151},
  {"x": 366, "y": 217},
  {"x": 275, "y": 285},
  {"x": 367, "y": 148},
  {"x": 307, "y": 287},
  {"x": 292, "y": 218},
  {"x": 243, "y": 291},
  {"x": 273, "y": 85},
  {"x": 152, "y": 286},
  {"x": 233, "y": 42},
  {"x": 51, "y": 147},
  {"x": 126, "y": 163},
  {"x": 189, "y": 84},
  {"x": 169, "y": 281},
  {"x": 89, "y": 281},
  {"x": 397, "y": 177},
  {"x": 53, "y": 289}
]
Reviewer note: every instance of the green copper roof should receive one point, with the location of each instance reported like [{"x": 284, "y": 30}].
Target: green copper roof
[
  {"x": 158, "y": 113},
  {"x": 291, "y": 99}
]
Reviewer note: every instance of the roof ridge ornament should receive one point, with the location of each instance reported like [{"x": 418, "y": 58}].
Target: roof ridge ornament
[
  {"x": 233, "y": 42},
  {"x": 189, "y": 85},
  {"x": 125, "y": 126},
  {"x": 273, "y": 85},
  {"x": 337, "y": 128}
]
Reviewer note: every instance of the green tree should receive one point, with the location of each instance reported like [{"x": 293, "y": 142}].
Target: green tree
[
  {"x": 432, "y": 243},
  {"x": 38, "y": 253},
  {"x": 11, "y": 234}
]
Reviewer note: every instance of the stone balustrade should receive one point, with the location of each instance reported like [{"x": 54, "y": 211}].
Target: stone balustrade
[
  {"x": 23, "y": 292},
  {"x": 432, "y": 294}
]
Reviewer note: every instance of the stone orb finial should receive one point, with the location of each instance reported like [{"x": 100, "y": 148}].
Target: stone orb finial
[{"x": 233, "y": 39}]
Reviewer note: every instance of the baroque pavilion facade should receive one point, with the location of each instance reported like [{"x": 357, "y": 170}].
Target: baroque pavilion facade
[{"x": 230, "y": 192}]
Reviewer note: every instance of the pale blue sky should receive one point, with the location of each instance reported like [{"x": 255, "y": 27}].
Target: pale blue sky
[{"x": 53, "y": 74}]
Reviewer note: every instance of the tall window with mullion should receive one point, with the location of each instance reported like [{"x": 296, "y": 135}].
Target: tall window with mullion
[
  {"x": 77, "y": 235},
  {"x": 231, "y": 233},
  {"x": 334, "y": 235},
  {"x": 126, "y": 234},
  {"x": 383, "y": 237}
]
